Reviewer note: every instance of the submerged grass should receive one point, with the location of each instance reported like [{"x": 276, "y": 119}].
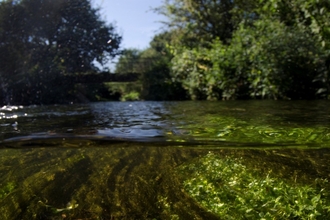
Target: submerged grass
[
  {"x": 233, "y": 190},
  {"x": 228, "y": 128},
  {"x": 6, "y": 189},
  {"x": 134, "y": 181},
  {"x": 116, "y": 182}
]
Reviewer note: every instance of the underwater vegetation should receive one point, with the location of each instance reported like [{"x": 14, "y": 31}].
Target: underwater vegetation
[
  {"x": 6, "y": 189},
  {"x": 230, "y": 188}
]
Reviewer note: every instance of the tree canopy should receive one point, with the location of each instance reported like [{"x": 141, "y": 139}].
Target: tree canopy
[
  {"x": 153, "y": 67},
  {"x": 209, "y": 49},
  {"x": 197, "y": 22},
  {"x": 276, "y": 49},
  {"x": 223, "y": 49},
  {"x": 41, "y": 41}
]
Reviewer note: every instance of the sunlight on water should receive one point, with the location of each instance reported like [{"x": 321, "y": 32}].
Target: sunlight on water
[
  {"x": 11, "y": 108},
  {"x": 243, "y": 122},
  {"x": 6, "y": 112}
]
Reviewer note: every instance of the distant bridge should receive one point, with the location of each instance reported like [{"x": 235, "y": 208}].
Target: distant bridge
[
  {"x": 103, "y": 77},
  {"x": 129, "y": 71}
]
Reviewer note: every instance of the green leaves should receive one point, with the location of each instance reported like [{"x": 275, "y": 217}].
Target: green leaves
[
  {"x": 45, "y": 40},
  {"x": 273, "y": 49},
  {"x": 256, "y": 64},
  {"x": 199, "y": 22},
  {"x": 153, "y": 67}
]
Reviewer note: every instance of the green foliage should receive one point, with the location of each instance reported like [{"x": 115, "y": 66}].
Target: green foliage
[
  {"x": 276, "y": 49},
  {"x": 198, "y": 22},
  {"x": 128, "y": 62},
  {"x": 152, "y": 64},
  {"x": 6, "y": 189},
  {"x": 129, "y": 91},
  {"x": 186, "y": 69},
  {"x": 274, "y": 68},
  {"x": 232, "y": 190},
  {"x": 42, "y": 41},
  {"x": 132, "y": 96}
]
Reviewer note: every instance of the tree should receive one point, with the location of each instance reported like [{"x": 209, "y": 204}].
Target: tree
[
  {"x": 198, "y": 22},
  {"x": 153, "y": 66},
  {"x": 44, "y": 40},
  {"x": 129, "y": 62},
  {"x": 275, "y": 49}
]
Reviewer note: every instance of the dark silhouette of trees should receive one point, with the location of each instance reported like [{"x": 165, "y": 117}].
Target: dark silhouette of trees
[{"x": 42, "y": 41}]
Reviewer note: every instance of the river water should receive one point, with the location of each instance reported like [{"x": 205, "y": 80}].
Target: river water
[{"x": 166, "y": 160}]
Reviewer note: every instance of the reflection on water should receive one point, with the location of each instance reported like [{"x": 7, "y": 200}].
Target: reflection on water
[
  {"x": 166, "y": 160},
  {"x": 244, "y": 121}
]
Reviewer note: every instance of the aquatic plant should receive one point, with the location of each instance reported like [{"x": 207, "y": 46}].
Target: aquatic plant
[
  {"x": 232, "y": 190},
  {"x": 132, "y": 96},
  {"x": 215, "y": 128},
  {"x": 6, "y": 189}
]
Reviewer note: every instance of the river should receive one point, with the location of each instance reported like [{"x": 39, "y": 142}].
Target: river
[{"x": 166, "y": 160}]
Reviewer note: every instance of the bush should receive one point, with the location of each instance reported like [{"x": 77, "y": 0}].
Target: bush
[{"x": 265, "y": 60}]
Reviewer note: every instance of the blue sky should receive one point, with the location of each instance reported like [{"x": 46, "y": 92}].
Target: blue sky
[{"x": 134, "y": 19}]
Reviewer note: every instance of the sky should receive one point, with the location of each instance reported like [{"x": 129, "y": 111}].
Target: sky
[{"x": 134, "y": 19}]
